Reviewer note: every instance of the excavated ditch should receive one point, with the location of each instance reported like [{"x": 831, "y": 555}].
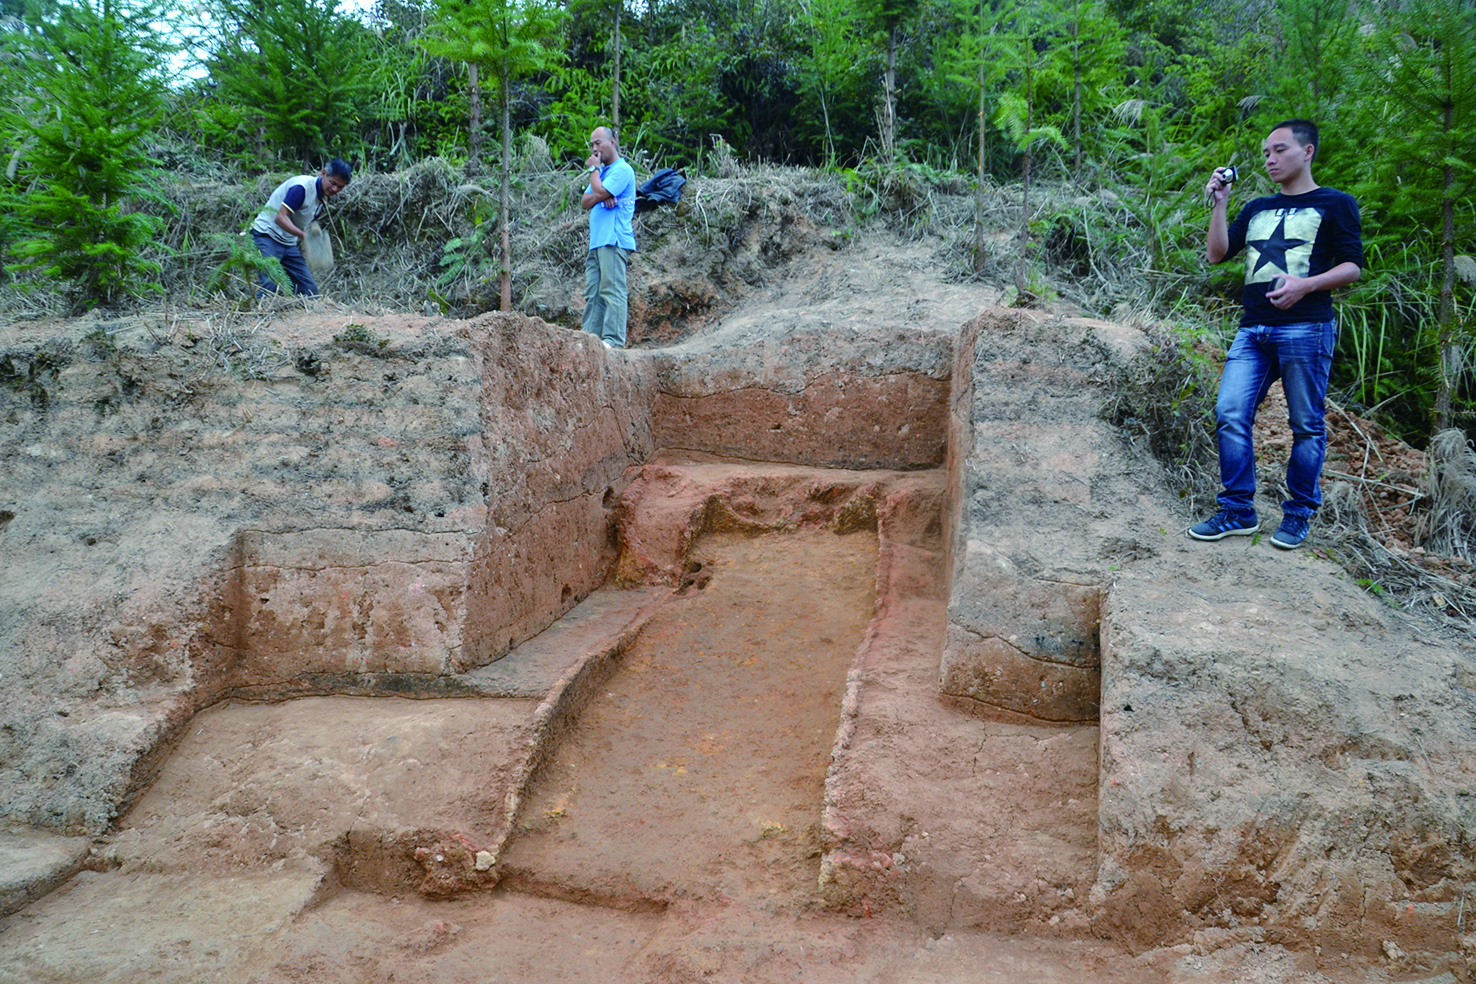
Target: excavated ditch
[
  {"x": 699, "y": 770},
  {"x": 680, "y": 734},
  {"x": 505, "y": 657}
]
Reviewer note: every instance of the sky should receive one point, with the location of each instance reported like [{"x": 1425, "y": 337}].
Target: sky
[{"x": 193, "y": 27}]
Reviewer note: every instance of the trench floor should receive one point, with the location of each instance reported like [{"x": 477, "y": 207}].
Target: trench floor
[
  {"x": 698, "y": 772},
  {"x": 674, "y": 834}
]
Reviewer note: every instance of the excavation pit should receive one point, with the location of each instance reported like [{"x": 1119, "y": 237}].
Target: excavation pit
[
  {"x": 766, "y": 643},
  {"x": 1056, "y": 721}
]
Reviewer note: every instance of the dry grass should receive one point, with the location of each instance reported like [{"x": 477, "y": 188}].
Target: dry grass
[
  {"x": 1401, "y": 522},
  {"x": 1418, "y": 580},
  {"x": 426, "y": 239},
  {"x": 1423, "y": 559},
  {"x": 1448, "y": 525},
  {"x": 1167, "y": 401},
  {"x": 20, "y": 301},
  {"x": 239, "y": 344},
  {"x": 392, "y": 230}
]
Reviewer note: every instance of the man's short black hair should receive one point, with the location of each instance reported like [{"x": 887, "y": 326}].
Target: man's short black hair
[
  {"x": 1304, "y": 130},
  {"x": 339, "y": 168}
]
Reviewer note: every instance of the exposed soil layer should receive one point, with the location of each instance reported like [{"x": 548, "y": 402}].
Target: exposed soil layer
[
  {"x": 1144, "y": 757},
  {"x": 699, "y": 772}
]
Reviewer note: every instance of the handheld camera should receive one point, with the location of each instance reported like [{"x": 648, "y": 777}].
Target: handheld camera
[{"x": 1228, "y": 174}]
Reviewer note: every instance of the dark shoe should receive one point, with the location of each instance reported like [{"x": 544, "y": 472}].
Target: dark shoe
[
  {"x": 1291, "y": 533},
  {"x": 1225, "y": 523}
]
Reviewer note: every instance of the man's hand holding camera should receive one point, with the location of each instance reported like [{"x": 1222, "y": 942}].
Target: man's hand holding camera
[
  {"x": 1217, "y": 190},
  {"x": 1287, "y": 290}
]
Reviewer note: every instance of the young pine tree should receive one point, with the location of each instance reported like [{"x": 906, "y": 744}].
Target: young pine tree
[
  {"x": 890, "y": 18},
  {"x": 507, "y": 40},
  {"x": 299, "y": 73},
  {"x": 1091, "y": 62},
  {"x": 1423, "y": 55},
  {"x": 674, "y": 88},
  {"x": 975, "y": 64},
  {"x": 87, "y": 91},
  {"x": 1026, "y": 53},
  {"x": 1318, "y": 41},
  {"x": 830, "y": 67}
]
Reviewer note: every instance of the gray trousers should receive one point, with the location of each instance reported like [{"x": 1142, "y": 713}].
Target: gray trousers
[{"x": 605, "y": 303}]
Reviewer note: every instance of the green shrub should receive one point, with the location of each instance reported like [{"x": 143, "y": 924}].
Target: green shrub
[{"x": 90, "y": 86}]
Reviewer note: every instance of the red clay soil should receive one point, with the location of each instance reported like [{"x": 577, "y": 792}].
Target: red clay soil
[
  {"x": 699, "y": 772},
  {"x": 675, "y": 835}
]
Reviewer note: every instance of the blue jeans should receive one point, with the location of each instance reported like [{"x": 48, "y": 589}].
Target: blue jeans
[
  {"x": 1301, "y": 357},
  {"x": 604, "y": 293},
  {"x": 292, "y": 262}
]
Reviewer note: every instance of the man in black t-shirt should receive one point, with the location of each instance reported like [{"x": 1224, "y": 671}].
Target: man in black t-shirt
[{"x": 1300, "y": 245}]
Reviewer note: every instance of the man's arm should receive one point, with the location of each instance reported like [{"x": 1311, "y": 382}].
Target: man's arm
[
  {"x": 1217, "y": 240},
  {"x": 1293, "y": 289},
  {"x": 295, "y": 198},
  {"x": 285, "y": 223},
  {"x": 596, "y": 193}
]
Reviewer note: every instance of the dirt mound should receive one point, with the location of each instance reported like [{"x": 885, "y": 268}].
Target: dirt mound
[{"x": 426, "y": 239}]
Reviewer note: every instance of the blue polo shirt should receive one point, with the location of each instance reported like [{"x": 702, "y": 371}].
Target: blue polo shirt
[{"x": 611, "y": 226}]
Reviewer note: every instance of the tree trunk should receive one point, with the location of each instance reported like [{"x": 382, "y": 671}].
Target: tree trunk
[
  {"x": 474, "y": 133},
  {"x": 1025, "y": 194},
  {"x": 615, "y": 96},
  {"x": 506, "y": 197},
  {"x": 1076, "y": 87},
  {"x": 979, "y": 198},
  {"x": 829, "y": 140},
  {"x": 889, "y": 109},
  {"x": 1449, "y": 353}
]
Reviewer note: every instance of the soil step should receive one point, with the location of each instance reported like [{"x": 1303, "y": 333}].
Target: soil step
[
  {"x": 358, "y": 781},
  {"x": 932, "y": 810},
  {"x": 533, "y": 668},
  {"x": 33, "y": 862},
  {"x": 254, "y": 784}
]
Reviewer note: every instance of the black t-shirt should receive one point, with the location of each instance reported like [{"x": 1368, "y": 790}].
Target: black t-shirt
[{"x": 1301, "y": 235}]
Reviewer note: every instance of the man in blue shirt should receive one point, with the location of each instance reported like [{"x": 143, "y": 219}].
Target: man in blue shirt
[
  {"x": 1300, "y": 244},
  {"x": 610, "y": 201},
  {"x": 282, "y": 223}
]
